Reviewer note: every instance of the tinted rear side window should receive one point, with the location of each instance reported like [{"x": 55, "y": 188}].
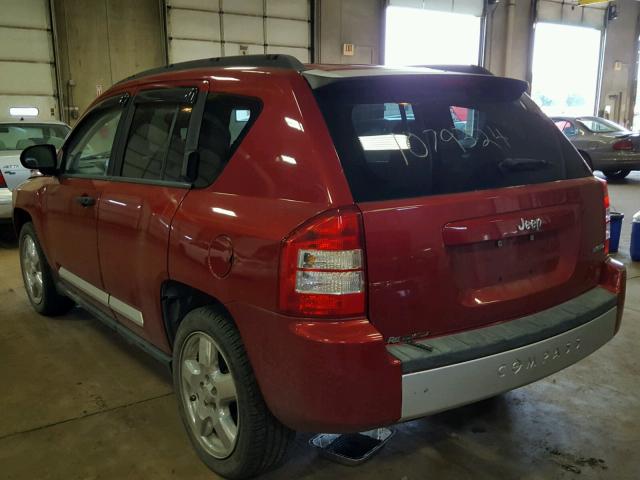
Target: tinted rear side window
[
  {"x": 417, "y": 136},
  {"x": 177, "y": 142},
  {"x": 155, "y": 147},
  {"x": 225, "y": 122}
]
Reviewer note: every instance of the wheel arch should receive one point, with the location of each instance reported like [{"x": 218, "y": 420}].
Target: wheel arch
[
  {"x": 178, "y": 299},
  {"x": 20, "y": 217}
]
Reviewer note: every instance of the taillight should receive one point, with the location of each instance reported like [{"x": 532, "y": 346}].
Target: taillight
[
  {"x": 614, "y": 278},
  {"x": 607, "y": 215},
  {"x": 625, "y": 144},
  {"x": 3, "y": 182},
  {"x": 322, "y": 266}
]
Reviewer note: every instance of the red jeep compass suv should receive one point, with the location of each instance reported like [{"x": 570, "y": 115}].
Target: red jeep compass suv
[{"x": 322, "y": 248}]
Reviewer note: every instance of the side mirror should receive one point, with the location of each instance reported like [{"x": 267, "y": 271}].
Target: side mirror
[{"x": 40, "y": 157}]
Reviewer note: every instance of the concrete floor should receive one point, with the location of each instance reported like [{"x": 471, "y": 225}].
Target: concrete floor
[{"x": 77, "y": 402}]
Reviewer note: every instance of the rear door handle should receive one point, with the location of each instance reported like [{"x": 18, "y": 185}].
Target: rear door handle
[{"x": 86, "y": 201}]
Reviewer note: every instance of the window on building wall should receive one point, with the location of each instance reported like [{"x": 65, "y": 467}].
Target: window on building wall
[
  {"x": 416, "y": 36},
  {"x": 565, "y": 68}
]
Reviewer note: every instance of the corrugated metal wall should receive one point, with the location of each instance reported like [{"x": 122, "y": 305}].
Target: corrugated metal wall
[
  {"x": 27, "y": 61},
  {"x": 205, "y": 28}
]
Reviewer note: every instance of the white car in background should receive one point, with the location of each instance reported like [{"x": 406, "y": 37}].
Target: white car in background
[{"x": 15, "y": 136}]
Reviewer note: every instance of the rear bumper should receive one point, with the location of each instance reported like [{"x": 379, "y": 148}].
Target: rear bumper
[
  {"x": 438, "y": 389},
  {"x": 321, "y": 376},
  {"x": 6, "y": 207},
  {"x": 342, "y": 376},
  {"x": 622, "y": 161}
]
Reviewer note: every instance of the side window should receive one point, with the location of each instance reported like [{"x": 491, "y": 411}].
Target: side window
[
  {"x": 570, "y": 130},
  {"x": 464, "y": 123},
  {"x": 90, "y": 152},
  {"x": 225, "y": 122},
  {"x": 566, "y": 127},
  {"x": 459, "y": 117},
  {"x": 238, "y": 121},
  {"x": 156, "y": 141}
]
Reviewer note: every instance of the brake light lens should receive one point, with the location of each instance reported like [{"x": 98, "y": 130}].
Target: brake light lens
[
  {"x": 322, "y": 267},
  {"x": 614, "y": 278},
  {"x": 607, "y": 215},
  {"x": 625, "y": 144},
  {"x": 3, "y": 182}
]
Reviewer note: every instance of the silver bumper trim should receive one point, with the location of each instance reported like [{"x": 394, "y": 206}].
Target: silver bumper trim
[{"x": 432, "y": 391}]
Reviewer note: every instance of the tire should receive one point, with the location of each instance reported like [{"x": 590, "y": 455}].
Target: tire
[
  {"x": 616, "y": 174},
  {"x": 587, "y": 159},
  {"x": 37, "y": 276},
  {"x": 202, "y": 382},
  {"x": 8, "y": 238}
]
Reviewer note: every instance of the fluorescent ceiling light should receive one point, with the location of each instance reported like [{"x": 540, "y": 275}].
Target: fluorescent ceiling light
[
  {"x": 288, "y": 159},
  {"x": 243, "y": 115},
  {"x": 224, "y": 211},
  {"x": 225, "y": 79},
  {"x": 384, "y": 142},
  {"x": 294, "y": 123},
  {"x": 23, "y": 111}
]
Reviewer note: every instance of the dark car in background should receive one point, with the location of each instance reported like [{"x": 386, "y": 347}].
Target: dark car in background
[{"x": 605, "y": 145}]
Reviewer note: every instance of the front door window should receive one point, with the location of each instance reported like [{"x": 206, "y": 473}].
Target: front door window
[{"x": 90, "y": 153}]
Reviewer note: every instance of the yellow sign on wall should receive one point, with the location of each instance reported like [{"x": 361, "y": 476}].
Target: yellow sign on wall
[{"x": 591, "y": 2}]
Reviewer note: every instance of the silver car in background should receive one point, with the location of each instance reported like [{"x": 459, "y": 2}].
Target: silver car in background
[
  {"x": 605, "y": 145},
  {"x": 15, "y": 136}
]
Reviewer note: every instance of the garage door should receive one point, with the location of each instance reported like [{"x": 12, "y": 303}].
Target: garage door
[
  {"x": 26, "y": 58},
  {"x": 206, "y": 28},
  {"x": 569, "y": 13},
  {"x": 453, "y": 29},
  {"x": 566, "y": 64},
  {"x": 470, "y": 7}
]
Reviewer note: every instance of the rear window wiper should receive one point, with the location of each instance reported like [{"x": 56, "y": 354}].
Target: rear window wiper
[{"x": 522, "y": 164}]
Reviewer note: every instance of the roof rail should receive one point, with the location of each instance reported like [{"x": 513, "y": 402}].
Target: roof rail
[
  {"x": 478, "y": 70},
  {"x": 268, "y": 60}
]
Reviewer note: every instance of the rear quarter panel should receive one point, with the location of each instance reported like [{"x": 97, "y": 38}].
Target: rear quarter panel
[{"x": 284, "y": 172}]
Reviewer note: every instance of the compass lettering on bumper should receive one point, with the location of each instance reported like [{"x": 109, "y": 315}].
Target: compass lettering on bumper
[{"x": 519, "y": 365}]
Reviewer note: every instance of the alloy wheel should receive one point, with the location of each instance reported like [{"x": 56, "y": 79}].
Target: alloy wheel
[
  {"x": 209, "y": 395},
  {"x": 32, "y": 269}
]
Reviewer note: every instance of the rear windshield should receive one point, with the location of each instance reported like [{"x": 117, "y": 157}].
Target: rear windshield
[
  {"x": 600, "y": 125},
  {"x": 410, "y": 136}
]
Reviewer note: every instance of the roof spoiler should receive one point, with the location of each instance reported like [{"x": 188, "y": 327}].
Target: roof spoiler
[
  {"x": 475, "y": 69},
  {"x": 287, "y": 62},
  {"x": 370, "y": 88}
]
